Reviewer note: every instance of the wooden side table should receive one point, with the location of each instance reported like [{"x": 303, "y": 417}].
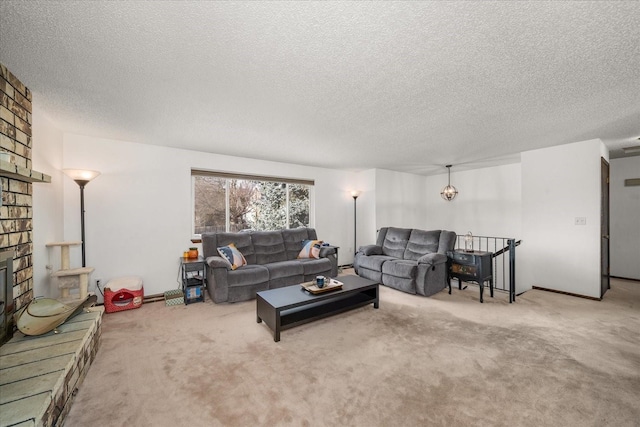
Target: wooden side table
[
  {"x": 193, "y": 279},
  {"x": 471, "y": 266}
]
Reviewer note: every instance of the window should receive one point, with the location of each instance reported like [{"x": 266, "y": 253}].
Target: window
[{"x": 230, "y": 202}]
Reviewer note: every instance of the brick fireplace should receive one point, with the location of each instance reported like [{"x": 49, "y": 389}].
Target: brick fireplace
[
  {"x": 16, "y": 180},
  {"x": 41, "y": 375}
]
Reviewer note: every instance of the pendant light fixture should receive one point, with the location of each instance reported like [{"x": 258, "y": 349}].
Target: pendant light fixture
[{"x": 449, "y": 192}]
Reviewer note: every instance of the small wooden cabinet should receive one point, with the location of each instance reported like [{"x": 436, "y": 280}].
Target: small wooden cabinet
[
  {"x": 193, "y": 279},
  {"x": 471, "y": 266}
]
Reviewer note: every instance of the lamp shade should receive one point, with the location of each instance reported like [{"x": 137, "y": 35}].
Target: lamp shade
[
  {"x": 355, "y": 194},
  {"x": 82, "y": 175}
]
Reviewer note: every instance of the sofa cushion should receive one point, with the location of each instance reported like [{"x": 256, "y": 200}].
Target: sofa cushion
[
  {"x": 400, "y": 268},
  {"x": 395, "y": 242},
  {"x": 248, "y": 275},
  {"x": 232, "y": 255},
  {"x": 284, "y": 269},
  {"x": 400, "y": 283},
  {"x": 268, "y": 246},
  {"x": 373, "y": 262},
  {"x": 422, "y": 242},
  {"x": 313, "y": 266},
  {"x": 293, "y": 239},
  {"x": 376, "y": 276},
  {"x": 310, "y": 249}
]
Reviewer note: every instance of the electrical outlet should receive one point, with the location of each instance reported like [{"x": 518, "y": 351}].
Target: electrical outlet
[
  {"x": 98, "y": 281},
  {"x": 581, "y": 220}
]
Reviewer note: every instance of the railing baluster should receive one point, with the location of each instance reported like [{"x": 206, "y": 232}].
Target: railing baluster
[{"x": 512, "y": 270}]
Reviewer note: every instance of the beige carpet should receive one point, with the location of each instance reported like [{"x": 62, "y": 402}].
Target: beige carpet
[{"x": 546, "y": 360}]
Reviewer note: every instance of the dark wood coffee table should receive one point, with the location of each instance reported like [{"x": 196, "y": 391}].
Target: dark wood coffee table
[{"x": 284, "y": 308}]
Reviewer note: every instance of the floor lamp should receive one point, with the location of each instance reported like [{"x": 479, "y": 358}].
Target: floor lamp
[
  {"x": 82, "y": 178},
  {"x": 354, "y": 194}
]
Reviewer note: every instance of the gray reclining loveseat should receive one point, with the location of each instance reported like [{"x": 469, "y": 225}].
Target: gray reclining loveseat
[
  {"x": 410, "y": 260},
  {"x": 271, "y": 262}
]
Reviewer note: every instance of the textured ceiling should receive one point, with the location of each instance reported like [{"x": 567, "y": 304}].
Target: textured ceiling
[{"x": 406, "y": 86}]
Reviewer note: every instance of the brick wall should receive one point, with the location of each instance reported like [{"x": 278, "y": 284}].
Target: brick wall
[{"x": 16, "y": 226}]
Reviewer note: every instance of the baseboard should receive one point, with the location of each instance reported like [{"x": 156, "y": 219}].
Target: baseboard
[
  {"x": 566, "y": 293},
  {"x": 153, "y": 298},
  {"x": 625, "y": 278}
]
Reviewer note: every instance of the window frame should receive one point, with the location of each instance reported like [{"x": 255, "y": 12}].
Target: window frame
[{"x": 232, "y": 175}]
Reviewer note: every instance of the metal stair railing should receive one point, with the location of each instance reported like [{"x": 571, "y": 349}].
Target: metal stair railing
[{"x": 504, "y": 267}]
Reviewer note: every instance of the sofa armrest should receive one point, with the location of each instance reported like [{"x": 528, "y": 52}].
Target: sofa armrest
[
  {"x": 217, "y": 284},
  {"x": 330, "y": 253},
  {"x": 432, "y": 259},
  {"x": 218, "y": 262},
  {"x": 370, "y": 250},
  {"x": 327, "y": 250}
]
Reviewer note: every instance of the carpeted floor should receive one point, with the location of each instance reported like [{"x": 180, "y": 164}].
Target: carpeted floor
[{"x": 546, "y": 360}]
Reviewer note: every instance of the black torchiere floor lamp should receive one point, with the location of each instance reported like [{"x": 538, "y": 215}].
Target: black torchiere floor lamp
[
  {"x": 355, "y": 194},
  {"x": 82, "y": 178}
]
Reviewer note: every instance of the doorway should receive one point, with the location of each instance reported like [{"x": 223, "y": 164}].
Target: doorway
[{"x": 604, "y": 228}]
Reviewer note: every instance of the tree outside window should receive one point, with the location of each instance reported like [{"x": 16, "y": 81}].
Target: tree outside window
[{"x": 298, "y": 205}]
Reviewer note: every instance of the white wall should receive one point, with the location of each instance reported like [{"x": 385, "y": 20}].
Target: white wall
[
  {"x": 489, "y": 202},
  {"x": 399, "y": 201},
  {"x": 625, "y": 218},
  {"x": 388, "y": 199},
  {"x": 559, "y": 184},
  {"x": 47, "y": 201},
  {"x": 138, "y": 211}
]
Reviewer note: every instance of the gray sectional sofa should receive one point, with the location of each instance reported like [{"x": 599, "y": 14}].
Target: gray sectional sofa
[
  {"x": 410, "y": 260},
  {"x": 271, "y": 262}
]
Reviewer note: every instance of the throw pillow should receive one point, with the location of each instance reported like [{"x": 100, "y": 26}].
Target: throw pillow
[
  {"x": 233, "y": 256},
  {"x": 310, "y": 249}
]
